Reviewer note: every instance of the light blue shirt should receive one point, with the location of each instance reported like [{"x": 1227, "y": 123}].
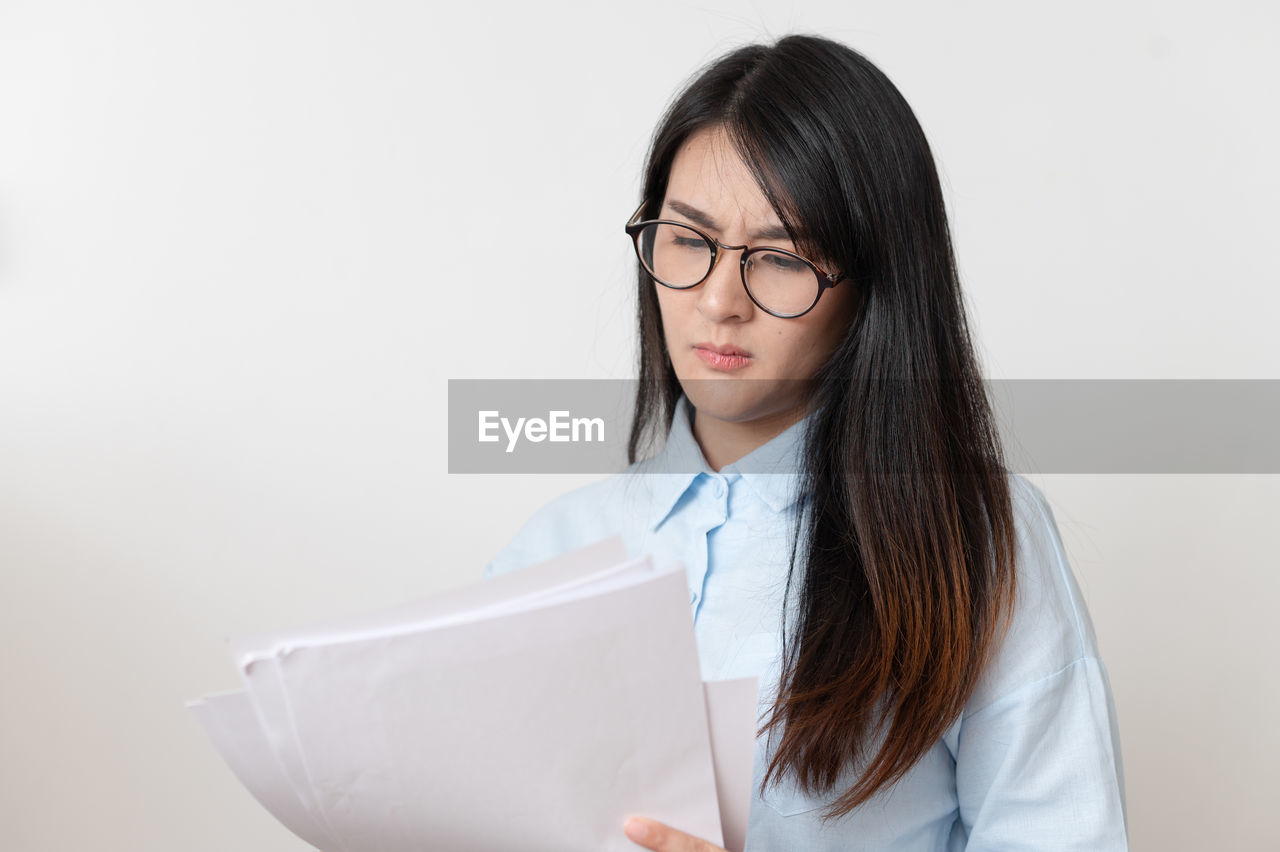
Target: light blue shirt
[{"x": 1034, "y": 761}]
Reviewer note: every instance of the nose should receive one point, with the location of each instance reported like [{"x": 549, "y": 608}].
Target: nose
[{"x": 722, "y": 297}]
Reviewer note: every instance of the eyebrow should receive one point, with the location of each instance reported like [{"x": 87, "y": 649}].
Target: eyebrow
[{"x": 773, "y": 232}]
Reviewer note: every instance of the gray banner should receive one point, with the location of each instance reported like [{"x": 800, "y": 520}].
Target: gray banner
[{"x": 1047, "y": 425}]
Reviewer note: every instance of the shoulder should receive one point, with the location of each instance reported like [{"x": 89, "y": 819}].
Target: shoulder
[
  {"x": 576, "y": 518},
  {"x": 1037, "y": 748},
  {"x": 1050, "y": 629}
]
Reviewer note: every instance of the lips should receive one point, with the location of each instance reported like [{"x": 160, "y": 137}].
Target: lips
[
  {"x": 725, "y": 349},
  {"x": 724, "y": 358}
]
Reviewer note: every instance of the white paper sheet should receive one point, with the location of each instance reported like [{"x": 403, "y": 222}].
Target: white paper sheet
[
  {"x": 535, "y": 714},
  {"x": 731, "y": 718},
  {"x": 231, "y": 724},
  {"x": 567, "y": 571}
]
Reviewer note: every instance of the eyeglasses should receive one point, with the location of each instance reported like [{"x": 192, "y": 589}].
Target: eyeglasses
[{"x": 680, "y": 256}]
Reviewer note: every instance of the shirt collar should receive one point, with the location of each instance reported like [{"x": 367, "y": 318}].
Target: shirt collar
[{"x": 773, "y": 470}]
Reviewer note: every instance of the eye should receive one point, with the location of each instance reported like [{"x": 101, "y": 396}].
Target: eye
[{"x": 780, "y": 262}]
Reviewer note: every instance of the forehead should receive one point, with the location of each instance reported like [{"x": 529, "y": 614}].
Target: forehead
[{"x": 708, "y": 173}]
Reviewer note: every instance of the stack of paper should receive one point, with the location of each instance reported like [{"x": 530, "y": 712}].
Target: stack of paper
[{"x": 536, "y": 710}]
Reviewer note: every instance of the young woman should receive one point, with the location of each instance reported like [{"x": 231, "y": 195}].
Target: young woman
[{"x": 832, "y": 480}]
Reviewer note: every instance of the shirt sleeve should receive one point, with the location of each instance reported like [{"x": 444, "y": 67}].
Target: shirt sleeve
[
  {"x": 508, "y": 559},
  {"x": 1041, "y": 768},
  {"x": 571, "y": 520},
  {"x": 515, "y": 554},
  {"x": 546, "y": 533},
  {"x": 1038, "y": 761}
]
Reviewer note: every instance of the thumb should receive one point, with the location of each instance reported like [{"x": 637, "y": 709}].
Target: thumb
[{"x": 658, "y": 837}]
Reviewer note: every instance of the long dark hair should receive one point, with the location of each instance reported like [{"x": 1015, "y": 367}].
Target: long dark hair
[{"x": 907, "y": 534}]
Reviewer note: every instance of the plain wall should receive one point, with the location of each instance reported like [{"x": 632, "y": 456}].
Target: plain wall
[{"x": 243, "y": 247}]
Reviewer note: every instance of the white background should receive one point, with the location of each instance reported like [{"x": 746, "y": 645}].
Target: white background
[{"x": 244, "y": 245}]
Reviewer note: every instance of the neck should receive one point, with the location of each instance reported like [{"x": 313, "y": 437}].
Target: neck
[{"x": 724, "y": 441}]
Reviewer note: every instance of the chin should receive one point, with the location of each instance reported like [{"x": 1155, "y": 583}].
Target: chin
[{"x": 734, "y": 399}]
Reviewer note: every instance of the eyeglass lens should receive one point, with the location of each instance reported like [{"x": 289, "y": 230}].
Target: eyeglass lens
[{"x": 680, "y": 257}]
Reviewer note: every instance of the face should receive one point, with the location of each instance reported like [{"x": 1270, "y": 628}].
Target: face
[{"x": 710, "y": 187}]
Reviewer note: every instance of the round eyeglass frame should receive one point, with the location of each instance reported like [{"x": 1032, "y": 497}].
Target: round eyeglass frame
[{"x": 826, "y": 280}]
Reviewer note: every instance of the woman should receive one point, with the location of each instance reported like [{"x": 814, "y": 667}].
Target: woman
[{"x": 832, "y": 481}]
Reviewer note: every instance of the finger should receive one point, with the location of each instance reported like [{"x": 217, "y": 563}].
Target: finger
[{"x": 659, "y": 837}]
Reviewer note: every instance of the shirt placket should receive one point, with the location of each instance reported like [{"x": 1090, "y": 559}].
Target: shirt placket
[{"x": 713, "y": 500}]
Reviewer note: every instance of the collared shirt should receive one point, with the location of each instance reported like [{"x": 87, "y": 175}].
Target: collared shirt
[{"x": 1033, "y": 762}]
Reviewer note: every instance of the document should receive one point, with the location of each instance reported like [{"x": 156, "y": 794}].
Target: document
[{"x": 537, "y": 710}]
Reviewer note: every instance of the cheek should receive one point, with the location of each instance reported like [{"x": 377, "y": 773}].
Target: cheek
[
  {"x": 671, "y": 320},
  {"x": 672, "y": 310},
  {"x": 806, "y": 347},
  {"x": 790, "y": 348},
  {"x": 830, "y": 326}
]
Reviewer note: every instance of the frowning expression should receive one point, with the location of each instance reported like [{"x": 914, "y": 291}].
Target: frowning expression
[{"x": 734, "y": 360}]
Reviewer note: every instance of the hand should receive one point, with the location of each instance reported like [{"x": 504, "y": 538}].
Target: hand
[{"x": 652, "y": 834}]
